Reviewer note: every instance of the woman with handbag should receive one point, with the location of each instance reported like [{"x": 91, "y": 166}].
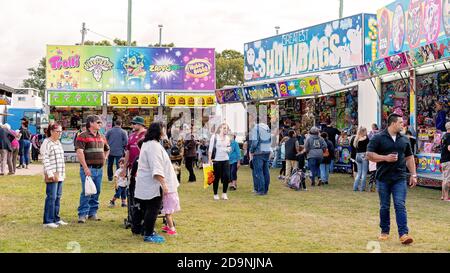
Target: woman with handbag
[
  {"x": 219, "y": 148},
  {"x": 360, "y": 144},
  {"x": 54, "y": 173},
  {"x": 328, "y": 157}
]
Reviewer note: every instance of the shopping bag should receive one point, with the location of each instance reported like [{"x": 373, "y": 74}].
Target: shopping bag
[
  {"x": 89, "y": 187},
  {"x": 208, "y": 175}
]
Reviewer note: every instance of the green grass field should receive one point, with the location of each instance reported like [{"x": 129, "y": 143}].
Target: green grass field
[{"x": 323, "y": 219}]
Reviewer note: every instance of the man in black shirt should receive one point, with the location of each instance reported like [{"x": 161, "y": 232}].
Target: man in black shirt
[
  {"x": 392, "y": 153},
  {"x": 445, "y": 162},
  {"x": 332, "y": 133}
]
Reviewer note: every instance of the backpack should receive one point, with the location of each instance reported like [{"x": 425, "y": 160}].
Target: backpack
[{"x": 296, "y": 180}]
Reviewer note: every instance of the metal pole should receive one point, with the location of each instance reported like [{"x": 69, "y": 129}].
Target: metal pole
[
  {"x": 83, "y": 32},
  {"x": 160, "y": 34},
  {"x": 129, "y": 24},
  {"x": 341, "y": 8},
  {"x": 277, "y": 28}
]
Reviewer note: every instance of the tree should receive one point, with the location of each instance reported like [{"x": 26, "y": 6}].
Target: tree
[
  {"x": 229, "y": 68},
  {"x": 37, "y": 78},
  {"x": 101, "y": 43},
  {"x": 163, "y": 45},
  {"x": 119, "y": 42}
]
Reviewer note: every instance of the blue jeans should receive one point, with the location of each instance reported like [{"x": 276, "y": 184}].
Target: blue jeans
[
  {"x": 331, "y": 166},
  {"x": 314, "y": 167},
  {"x": 324, "y": 172},
  {"x": 24, "y": 151},
  {"x": 52, "y": 202},
  {"x": 111, "y": 159},
  {"x": 121, "y": 193},
  {"x": 89, "y": 204},
  {"x": 398, "y": 191},
  {"x": 261, "y": 175},
  {"x": 363, "y": 168}
]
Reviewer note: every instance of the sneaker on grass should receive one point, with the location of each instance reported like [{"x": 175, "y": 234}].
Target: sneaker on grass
[{"x": 154, "y": 238}]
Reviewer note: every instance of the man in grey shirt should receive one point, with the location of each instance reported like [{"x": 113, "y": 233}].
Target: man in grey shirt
[
  {"x": 315, "y": 146},
  {"x": 117, "y": 140}
]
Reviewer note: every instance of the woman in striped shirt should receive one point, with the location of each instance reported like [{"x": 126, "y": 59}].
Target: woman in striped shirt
[{"x": 54, "y": 172}]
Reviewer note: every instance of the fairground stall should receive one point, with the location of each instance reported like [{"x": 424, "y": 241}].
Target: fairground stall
[
  {"x": 121, "y": 82},
  {"x": 314, "y": 56},
  {"x": 413, "y": 42}
]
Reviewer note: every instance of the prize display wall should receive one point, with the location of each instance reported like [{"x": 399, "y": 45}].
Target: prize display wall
[{"x": 431, "y": 88}]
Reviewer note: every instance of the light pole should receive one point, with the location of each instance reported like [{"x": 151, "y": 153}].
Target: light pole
[
  {"x": 160, "y": 34},
  {"x": 277, "y": 28},
  {"x": 129, "y": 24},
  {"x": 341, "y": 8}
]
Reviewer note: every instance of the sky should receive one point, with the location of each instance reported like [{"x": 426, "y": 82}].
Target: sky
[{"x": 27, "y": 26}]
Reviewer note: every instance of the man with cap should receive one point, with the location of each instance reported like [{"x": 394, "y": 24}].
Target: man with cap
[{"x": 132, "y": 150}]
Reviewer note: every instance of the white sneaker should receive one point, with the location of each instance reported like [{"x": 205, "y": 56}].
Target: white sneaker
[
  {"x": 224, "y": 196},
  {"x": 216, "y": 197},
  {"x": 61, "y": 223},
  {"x": 51, "y": 225}
]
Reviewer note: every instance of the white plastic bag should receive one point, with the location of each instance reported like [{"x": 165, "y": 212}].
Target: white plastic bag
[{"x": 89, "y": 187}]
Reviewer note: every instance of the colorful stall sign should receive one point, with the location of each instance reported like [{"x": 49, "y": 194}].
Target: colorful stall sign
[
  {"x": 397, "y": 62},
  {"x": 430, "y": 53},
  {"x": 301, "y": 87},
  {"x": 229, "y": 95},
  {"x": 327, "y": 46},
  {"x": 370, "y": 38},
  {"x": 429, "y": 164},
  {"x": 379, "y": 67},
  {"x": 407, "y": 24},
  {"x": 5, "y": 100},
  {"x": 133, "y": 100},
  {"x": 347, "y": 76},
  {"x": 129, "y": 68},
  {"x": 189, "y": 100},
  {"x": 261, "y": 92},
  {"x": 75, "y": 98}
]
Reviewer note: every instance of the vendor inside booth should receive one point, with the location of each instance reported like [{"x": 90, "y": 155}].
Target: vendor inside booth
[{"x": 125, "y": 106}]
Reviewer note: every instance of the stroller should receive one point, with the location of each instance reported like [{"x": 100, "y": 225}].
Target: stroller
[{"x": 297, "y": 180}]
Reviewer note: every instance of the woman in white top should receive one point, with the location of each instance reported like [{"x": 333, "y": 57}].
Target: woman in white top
[
  {"x": 155, "y": 177},
  {"x": 54, "y": 171},
  {"x": 220, "y": 142}
]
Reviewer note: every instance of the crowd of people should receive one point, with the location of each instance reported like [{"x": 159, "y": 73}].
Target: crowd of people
[
  {"x": 18, "y": 145},
  {"x": 148, "y": 167}
]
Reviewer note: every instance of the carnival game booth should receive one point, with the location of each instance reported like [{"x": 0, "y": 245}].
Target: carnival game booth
[
  {"x": 70, "y": 109},
  {"x": 121, "y": 82},
  {"x": 125, "y": 106},
  {"x": 197, "y": 109},
  {"x": 413, "y": 40}
]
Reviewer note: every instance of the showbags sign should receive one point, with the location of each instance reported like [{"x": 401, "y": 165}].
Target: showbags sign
[
  {"x": 328, "y": 46},
  {"x": 261, "y": 92},
  {"x": 111, "y": 68}
]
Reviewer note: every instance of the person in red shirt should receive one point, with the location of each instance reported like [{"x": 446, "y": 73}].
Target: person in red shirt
[{"x": 132, "y": 149}]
